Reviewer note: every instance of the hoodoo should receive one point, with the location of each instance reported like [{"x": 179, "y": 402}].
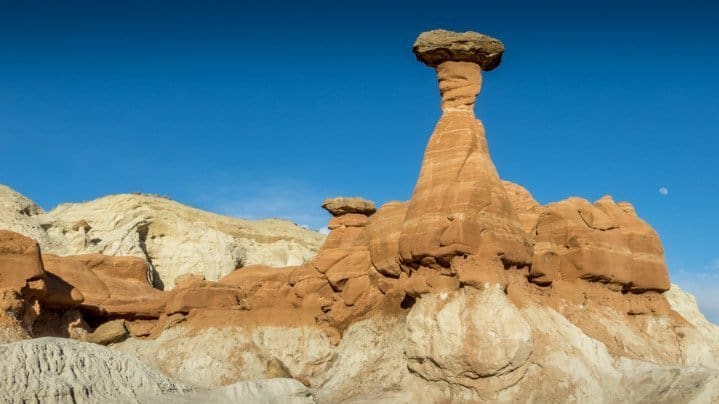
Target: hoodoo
[
  {"x": 459, "y": 206},
  {"x": 470, "y": 291}
]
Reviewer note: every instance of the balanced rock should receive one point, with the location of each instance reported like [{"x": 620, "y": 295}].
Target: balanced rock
[
  {"x": 438, "y": 46},
  {"x": 341, "y": 205},
  {"x": 469, "y": 292},
  {"x": 459, "y": 205}
]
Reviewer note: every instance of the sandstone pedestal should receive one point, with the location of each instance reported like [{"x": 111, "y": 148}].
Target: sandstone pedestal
[{"x": 459, "y": 206}]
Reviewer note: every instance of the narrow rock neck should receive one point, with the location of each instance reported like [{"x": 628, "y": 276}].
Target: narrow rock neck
[{"x": 459, "y": 85}]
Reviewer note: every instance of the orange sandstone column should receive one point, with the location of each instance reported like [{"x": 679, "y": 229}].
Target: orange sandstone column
[{"x": 459, "y": 206}]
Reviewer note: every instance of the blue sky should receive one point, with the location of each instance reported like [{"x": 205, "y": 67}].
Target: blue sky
[{"x": 260, "y": 109}]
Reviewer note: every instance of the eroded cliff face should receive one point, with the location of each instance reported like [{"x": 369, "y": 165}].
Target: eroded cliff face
[
  {"x": 470, "y": 291},
  {"x": 173, "y": 238}
]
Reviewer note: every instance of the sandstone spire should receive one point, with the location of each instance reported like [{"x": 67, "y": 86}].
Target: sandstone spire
[{"x": 459, "y": 206}]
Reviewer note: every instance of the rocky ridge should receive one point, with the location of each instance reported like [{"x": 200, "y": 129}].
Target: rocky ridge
[
  {"x": 470, "y": 291},
  {"x": 173, "y": 238}
]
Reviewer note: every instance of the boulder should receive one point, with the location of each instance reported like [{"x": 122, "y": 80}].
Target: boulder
[
  {"x": 438, "y": 46},
  {"x": 109, "y": 333},
  {"x": 341, "y": 205}
]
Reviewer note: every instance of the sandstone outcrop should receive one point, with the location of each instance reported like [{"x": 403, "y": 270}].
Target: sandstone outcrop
[
  {"x": 110, "y": 286},
  {"x": 454, "y": 274},
  {"x": 527, "y": 208},
  {"x": 471, "y": 291},
  {"x": 459, "y": 206},
  {"x": 175, "y": 239},
  {"x": 449, "y": 338},
  {"x": 605, "y": 242},
  {"x": 20, "y": 263},
  {"x": 374, "y": 357},
  {"x": 23, "y": 283},
  {"x": 49, "y": 370}
]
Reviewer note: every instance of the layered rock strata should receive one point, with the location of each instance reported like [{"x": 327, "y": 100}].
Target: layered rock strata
[
  {"x": 471, "y": 291},
  {"x": 459, "y": 206},
  {"x": 173, "y": 238}
]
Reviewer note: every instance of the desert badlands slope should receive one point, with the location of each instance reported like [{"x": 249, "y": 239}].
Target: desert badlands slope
[{"x": 470, "y": 291}]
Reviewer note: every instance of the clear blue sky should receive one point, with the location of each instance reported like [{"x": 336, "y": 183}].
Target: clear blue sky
[{"x": 261, "y": 109}]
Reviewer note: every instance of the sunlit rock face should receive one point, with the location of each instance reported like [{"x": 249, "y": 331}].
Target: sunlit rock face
[
  {"x": 602, "y": 242},
  {"x": 459, "y": 205},
  {"x": 471, "y": 291}
]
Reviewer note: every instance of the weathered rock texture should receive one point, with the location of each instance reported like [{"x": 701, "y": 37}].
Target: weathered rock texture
[
  {"x": 270, "y": 391},
  {"x": 450, "y": 347},
  {"x": 459, "y": 206},
  {"x": 604, "y": 242},
  {"x": 346, "y": 205},
  {"x": 48, "y": 370},
  {"x": 21, "y": 215},
  {"x": 109, "y": 333},
  {"x": 438, "y": 46},
  {"x": 471, "y": 291},
  {"x": 525, "y": 205},
  {"x": 175, "y": 239},
  {"x": 20, "y": 263},
  {"x": 448, "y": 336},
  {"x": 109, "y": 285}
]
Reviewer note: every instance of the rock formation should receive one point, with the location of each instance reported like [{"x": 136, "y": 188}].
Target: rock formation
[
  {"x": 342, "y": 206},
  {"x": 438, "y": 46},
  {"x": 459, "y": 206},
  {"x": 604, "y": 242},
  {"x": 48, "y": 370},
  {"x": 470, "y": 291},
  {"x": 174, "y": 239}
]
